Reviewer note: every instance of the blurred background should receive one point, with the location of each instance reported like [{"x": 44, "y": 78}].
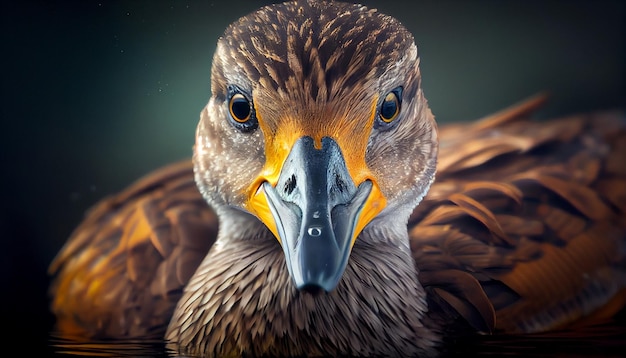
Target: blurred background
[{"x": 96, "y": 94}]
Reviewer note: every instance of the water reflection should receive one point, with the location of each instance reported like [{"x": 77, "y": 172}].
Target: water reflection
[
  {"x": 64, "y": 346},
  {"x": 605, "y": 340}
]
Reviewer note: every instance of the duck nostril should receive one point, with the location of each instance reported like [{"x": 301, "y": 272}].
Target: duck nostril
[
  {"x": 339, "y": 183},
  {"x": 290, "y": 185}
]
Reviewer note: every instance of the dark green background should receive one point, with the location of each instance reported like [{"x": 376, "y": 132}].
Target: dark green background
[{"x": 98, "y": 93}]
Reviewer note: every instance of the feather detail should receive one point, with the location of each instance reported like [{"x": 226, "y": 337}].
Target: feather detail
[
  {"x": 124, "y": 267},
  {"x": 533, "y": 213}
]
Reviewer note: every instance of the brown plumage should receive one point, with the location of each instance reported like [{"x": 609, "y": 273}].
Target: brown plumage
[{"x": 522, "y": 230}]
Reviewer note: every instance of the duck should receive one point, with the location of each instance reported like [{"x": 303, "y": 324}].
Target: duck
[{"x": 324, "y": 212}]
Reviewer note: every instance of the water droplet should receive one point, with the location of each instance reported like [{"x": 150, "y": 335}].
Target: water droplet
[{"x": 315, "y": 231}]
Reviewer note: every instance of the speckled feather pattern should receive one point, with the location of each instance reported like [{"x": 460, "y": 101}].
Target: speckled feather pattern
[
  {"x": 311, "y": 72},
  {"x": 317, "y": 69}
]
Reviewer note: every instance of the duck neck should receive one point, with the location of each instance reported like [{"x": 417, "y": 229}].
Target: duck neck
[{"x": 242, "y": 300}]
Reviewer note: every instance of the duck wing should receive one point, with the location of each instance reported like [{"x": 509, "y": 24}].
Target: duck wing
[
  {"x": 524, "y": 228},
  {"x": 123, "y": 269}
]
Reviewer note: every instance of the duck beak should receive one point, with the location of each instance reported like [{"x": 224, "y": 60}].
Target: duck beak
[{"x": 316, "y": 211}]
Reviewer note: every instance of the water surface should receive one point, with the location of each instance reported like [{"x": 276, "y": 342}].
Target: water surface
[{"x": 603, "y": 340}]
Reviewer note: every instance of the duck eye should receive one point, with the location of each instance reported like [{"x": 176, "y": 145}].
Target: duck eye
[
  {"x": 241, "y": 111},
  {"x": 390, "y": 108},
  {"x": 240, "y": 108}
]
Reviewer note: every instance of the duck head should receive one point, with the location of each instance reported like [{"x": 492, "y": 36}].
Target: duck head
[{"x": 316, "y": 126}]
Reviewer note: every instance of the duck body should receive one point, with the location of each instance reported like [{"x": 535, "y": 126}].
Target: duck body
[{"x": 522, "y": 228}]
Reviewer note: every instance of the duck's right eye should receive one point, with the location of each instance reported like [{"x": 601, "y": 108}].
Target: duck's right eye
[
  {"x": 241, "y": 112},
  {"x": 240, "y": 108}
]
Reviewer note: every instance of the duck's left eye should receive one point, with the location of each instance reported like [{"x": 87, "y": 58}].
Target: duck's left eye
[{"x": 390, "y": 108}]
